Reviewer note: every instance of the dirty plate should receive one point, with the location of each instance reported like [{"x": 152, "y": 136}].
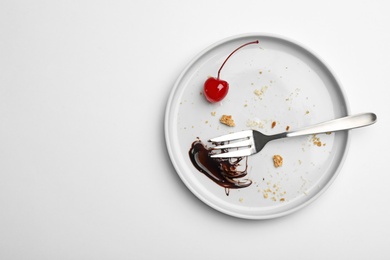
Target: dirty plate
[{"x": 274, "y": 85}]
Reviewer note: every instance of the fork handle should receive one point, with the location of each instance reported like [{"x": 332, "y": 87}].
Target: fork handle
[{"x": 343, "y": 123}]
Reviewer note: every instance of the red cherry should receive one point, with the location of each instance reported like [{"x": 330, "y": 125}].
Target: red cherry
[{"x": 215, "y": 89}]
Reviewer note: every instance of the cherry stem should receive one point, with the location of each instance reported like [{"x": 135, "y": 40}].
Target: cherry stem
[{"x": 223, "y": 64}]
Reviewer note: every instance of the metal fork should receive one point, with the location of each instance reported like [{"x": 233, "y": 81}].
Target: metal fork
[{"x": 249, "y": 142}]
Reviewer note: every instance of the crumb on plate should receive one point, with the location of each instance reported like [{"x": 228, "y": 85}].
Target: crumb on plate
[
  {"x": 316, "y": 140},
  {"x": 227, "y": 120},
  {"x": 278, "y": 160},
  {"x": 260, "y": 92}
]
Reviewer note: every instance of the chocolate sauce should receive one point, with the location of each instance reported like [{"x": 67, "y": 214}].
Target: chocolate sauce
[{"x": 222, "y": 171}]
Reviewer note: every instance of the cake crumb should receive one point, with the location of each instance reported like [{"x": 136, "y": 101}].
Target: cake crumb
[
  {"x": 227, "y": 120},
  {"x": 316, "y": 140},
  {"x": 287, "y": 128},
  {"x": 213, "y": 113},
  {"x": 278, "y": 160},
  {"x": 253, "y": 124},
  {"x": 260, "y": 92},
  {"x": 273, "y": 124}
]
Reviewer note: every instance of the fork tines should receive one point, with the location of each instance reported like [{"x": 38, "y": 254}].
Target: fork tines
[{"x": 244, "y": 147}]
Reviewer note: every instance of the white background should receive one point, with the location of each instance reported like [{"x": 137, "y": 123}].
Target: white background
[{"x": 84, "y": 172}]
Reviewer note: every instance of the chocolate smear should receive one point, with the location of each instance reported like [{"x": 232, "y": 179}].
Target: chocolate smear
[{"x": 223, "y": 171}]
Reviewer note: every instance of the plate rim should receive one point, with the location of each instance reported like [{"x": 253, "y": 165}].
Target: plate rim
[{"x": 168, "y": 139}]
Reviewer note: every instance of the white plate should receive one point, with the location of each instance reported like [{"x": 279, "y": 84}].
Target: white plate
[{"x": 297, "y": 90}]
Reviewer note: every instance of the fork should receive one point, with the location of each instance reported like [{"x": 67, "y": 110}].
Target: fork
[{"x": 249, "y": 142}]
